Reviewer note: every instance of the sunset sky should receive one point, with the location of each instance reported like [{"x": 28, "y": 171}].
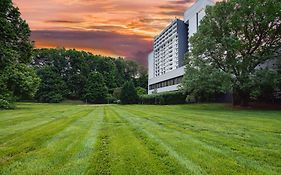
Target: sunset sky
[{"x": 109, "y": 27}]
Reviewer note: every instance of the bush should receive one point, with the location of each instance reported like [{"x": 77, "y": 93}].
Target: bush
[
  {"x": 51, "y": 97},
  {"x": 4, "y": 104},
  {"x": 176, "y": 97},
  {"x": 111, "y": 99},
  {"x": 190, "y": 99},
  {"x": 141, "y": 91},
  {"x": 117, "y": 93}
]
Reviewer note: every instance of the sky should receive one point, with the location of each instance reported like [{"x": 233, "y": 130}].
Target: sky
[{"x": 115, "y": 28}]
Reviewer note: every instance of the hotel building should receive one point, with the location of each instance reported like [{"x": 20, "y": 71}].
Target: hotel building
[{"x": 166, "y": 61}]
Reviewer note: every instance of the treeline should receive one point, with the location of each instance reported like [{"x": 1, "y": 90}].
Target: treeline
[
  {"x": 52, "y": 75},
  {"x": 17, "y": 78},
  {"x": 79, "y": 75}
]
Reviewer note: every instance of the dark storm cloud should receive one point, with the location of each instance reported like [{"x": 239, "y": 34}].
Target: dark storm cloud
[
  {"x": 181, "y": 2},
  {"x": 130, "y": 46},
  {"x": 63, "y": 21}
]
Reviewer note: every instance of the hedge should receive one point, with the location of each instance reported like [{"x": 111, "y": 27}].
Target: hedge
[{"x": 166, "y": 98}]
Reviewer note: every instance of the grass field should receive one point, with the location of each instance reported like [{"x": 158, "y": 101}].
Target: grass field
[{"x": 111, "y": 139}]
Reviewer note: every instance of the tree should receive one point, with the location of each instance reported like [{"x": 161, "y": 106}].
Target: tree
[
  {"x": 235, "y": 37},
  {"x": 74, "y": 67},
  {"x": 52, "y": 88},
  {"x": 141, "y": 91},
  {"x": 129, "y": 94},
  {"x": 266, "y": 83},
  {"x": 203, "y": 82},
  {"x": 17, "y": 79},
  {"x": 117, "y": 93},
  {"x": 95, "y": 89}
]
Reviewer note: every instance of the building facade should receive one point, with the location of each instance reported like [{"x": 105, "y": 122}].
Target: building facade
[
  {"x": 166, "y": 62},
  {"x": 169, "y": 48}
]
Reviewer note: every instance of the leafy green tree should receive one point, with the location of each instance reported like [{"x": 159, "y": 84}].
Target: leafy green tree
[
  {"x": 14, "y": 35},
  {"x": 235, "y": 37},
  {"x": 107, "y": 68},
  {"x": 17, "y": 79},
  {"x": 22, "y": 81},
  {"x": 95, "y": 89},
  {"x": 74, "y": 67},
  {"x": 204, "y": 82},
  {"x": 117, "y": 93},
  {"x": 129, "y": 94},
  {"x": 120, "y": 72},
  {"x": 142, "y": 79},
  {"x": 52, "y": 88},
  {"x": 266, "y": 83},
  {"x": 141, "y": 91}
]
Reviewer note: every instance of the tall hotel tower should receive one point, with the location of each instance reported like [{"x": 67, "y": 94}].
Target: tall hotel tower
[{"x": 166, "y": 61}]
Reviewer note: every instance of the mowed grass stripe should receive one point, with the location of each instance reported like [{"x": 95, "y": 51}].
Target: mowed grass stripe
[
  {"x": 247, "y": 137},
  {"x": 139, "y": 139},
  {"x": 32, "y": 120},
  {"x": 23, "y": 109},
  {"x": 239, "y": 133},
  {"x": 56, "y": 155},
  {"x": 216, "y": 113},
  {"x": 51, "y": 117},
  {"x": 121, "y": 150},
  {"x": 190, "y": 166},
  {"x": 33, "y": 139},
  {"x": 222, "y": 154},
  {"x": 79, "y": 160},
  {"x": 242, "y": 133}
]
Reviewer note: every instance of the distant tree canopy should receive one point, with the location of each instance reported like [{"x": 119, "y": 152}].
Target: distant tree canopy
[
  {"x": 17, "y": 78},
  {"x": 129, "y": 94},
  {"x": 95, "y": 89},
  {"x": 76, "y": 67},
  {"x": 52, "y": 88},
  {"x": 234, "y": 38}
]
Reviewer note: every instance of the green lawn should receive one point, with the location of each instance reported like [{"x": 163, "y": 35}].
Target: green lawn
[{"x": 111, "y": 139}]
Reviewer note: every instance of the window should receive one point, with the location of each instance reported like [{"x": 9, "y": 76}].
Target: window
[
  {"x": 197, "y": 22},
  {"x": 166, "y": 83}
]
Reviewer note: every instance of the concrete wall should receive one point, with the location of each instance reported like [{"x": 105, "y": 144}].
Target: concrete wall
[
  {"x": 195, "y": 14},
  {"x": 165, "y": 89},
  {"x": 270, "y": 64},
  {"x": 150, "y": 61},
  {"x": 169, "y": 47},
  {"x": 172, "y": 74}
]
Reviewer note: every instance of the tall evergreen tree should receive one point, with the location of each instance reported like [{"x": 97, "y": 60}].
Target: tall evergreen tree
[{"x": 129, "y": 94}]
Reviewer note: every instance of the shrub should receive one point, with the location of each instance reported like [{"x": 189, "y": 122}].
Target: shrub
[
  {"x": 166, "y": 98},
  {"x": 51, "y": 97},
  {"x": 190, "y": 99},
  {"x": 141, "y": 91},
  {"x": 111, "y": 99},
  {"x": 117, "y": 93},
  {"x": 4, "y": 104}
]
